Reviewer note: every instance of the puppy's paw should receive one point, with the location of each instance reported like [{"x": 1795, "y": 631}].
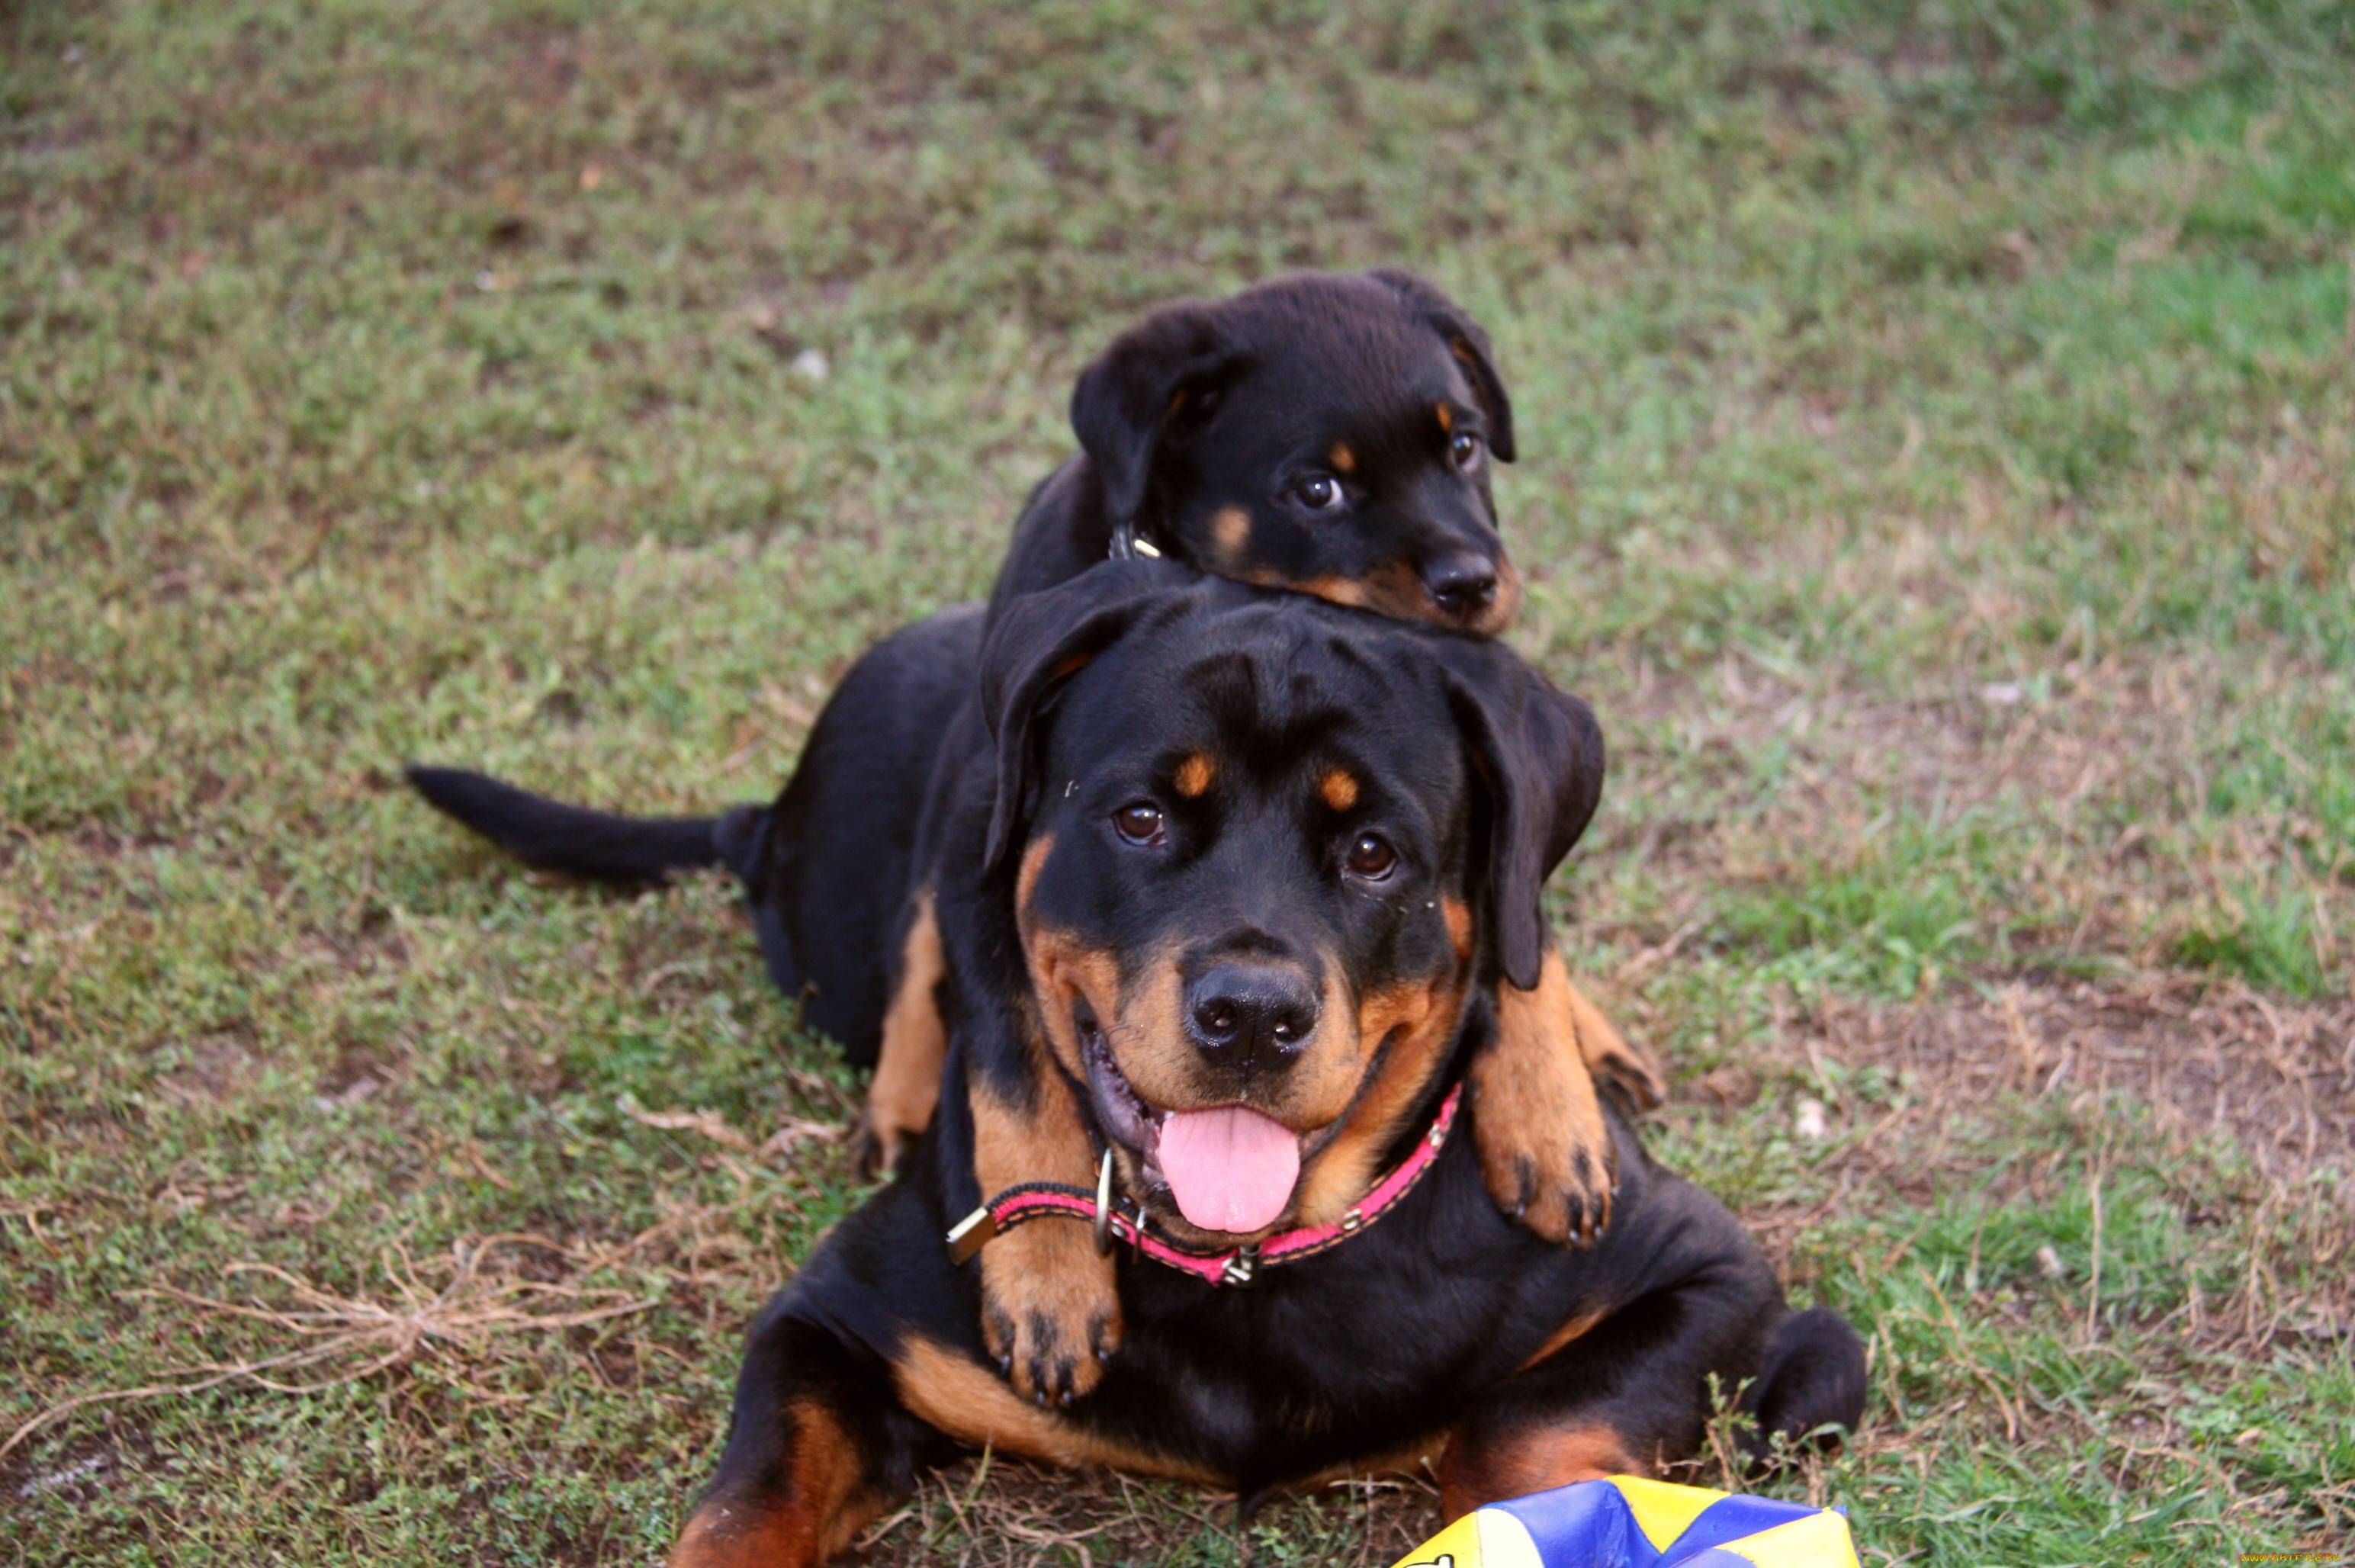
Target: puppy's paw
[
  {"x": 877, "y": 1151},
  {"x": 1545, "y": 1145},
  {"x": 1617, "y": 1066},
  {"x": 1049, "y": 1311}
]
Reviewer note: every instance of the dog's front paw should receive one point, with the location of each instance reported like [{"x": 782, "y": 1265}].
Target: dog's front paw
[
  {"x": 1555, "y": 1173},
  {"x": 1545, "y": 1145},
  {"x": 1049, "y": 1310}
]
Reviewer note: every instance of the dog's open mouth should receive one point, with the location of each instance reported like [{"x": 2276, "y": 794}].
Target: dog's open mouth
[{"x": 1228, "y": 1168}]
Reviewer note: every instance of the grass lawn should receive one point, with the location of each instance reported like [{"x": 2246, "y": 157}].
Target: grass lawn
[{"x": 1939, "y": 472}]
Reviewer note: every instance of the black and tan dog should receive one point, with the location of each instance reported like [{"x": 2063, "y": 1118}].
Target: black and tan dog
[
  {"x": 1329, "y": 433},
  {"x": 1223, "y": 879}
]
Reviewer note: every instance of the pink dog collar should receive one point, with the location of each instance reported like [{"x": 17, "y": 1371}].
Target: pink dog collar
[{"x": 1236, "y": 1265}]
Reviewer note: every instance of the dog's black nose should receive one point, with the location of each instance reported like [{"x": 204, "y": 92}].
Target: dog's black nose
[
  {"x": 1256, "y": 1013},
  {"x": 1462, "y": 584}
]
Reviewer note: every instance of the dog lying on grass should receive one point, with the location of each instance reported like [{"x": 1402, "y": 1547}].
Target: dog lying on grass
[{"x": 1224, "y": 881}]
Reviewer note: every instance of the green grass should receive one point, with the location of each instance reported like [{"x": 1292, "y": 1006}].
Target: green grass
[{"x": 1937, "y": 473}]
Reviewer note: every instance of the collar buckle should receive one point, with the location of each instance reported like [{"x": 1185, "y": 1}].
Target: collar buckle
[
  {"x": 1241, "y": 1266},
  {"x": 1128, "y": 542},
  {"x": 1104, "y": 1206},
  {"x": 970, "y": 1234}
]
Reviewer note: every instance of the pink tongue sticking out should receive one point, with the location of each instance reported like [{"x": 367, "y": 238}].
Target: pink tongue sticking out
[{"x": 1230, "y": 1169}]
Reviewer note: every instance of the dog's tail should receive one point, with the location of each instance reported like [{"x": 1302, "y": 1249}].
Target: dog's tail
[
  {"x": 1811, "y": 1382},
  {"x": 597, "y": 844}
]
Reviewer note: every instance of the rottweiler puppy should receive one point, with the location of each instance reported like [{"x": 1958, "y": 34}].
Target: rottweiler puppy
[
  {"x": 1223, "y": 881},
  {"x": 1327, "y": 433},
  {"x": 1332, "y": 434}
]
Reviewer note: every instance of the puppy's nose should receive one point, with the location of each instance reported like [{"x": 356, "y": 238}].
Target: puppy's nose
[
  {"x": 1462, "y": 585},
  {"x": 1260, "y": 1014}
]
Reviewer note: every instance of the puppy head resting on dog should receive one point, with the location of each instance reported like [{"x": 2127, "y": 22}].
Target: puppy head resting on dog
[
  {"x": 1259, "y": 848},
  {"x": 1327, "y": 433}
]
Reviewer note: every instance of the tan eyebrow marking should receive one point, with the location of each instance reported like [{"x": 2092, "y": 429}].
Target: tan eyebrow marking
[
  {"x": 1446, "y": 417},
  {"x": 1344, "y": 461},
  {"x": 1194, "y": 774},
  {"x": 1338, "y": 788}
]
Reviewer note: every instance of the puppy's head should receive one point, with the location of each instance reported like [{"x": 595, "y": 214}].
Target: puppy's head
[
  {"x": 1258, "y": 848},
  {"x": 1329, "y": 433}
]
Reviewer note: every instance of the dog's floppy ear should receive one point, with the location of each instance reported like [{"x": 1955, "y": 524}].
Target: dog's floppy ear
[
  {"x": 1041, "y": 640},
  {"x": 1158, "y": 378},
  {"x": 1466, "y": 342},
  {"x": 1539, "y": 752}
]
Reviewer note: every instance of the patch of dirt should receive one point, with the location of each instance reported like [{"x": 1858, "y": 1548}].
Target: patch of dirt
[
  {"x": 214, "y": 1066},
  {"x": 100, "y": 842},
  {"x": 361, "y": 1070},
  {"x": 1960, "y": 744},
  {"x": 2276, "y": 1079},
  {"x": 81, "y": 1473}
]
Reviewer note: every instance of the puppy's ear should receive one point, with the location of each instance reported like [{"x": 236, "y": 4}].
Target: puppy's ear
[
  {"x": 1159, "y": 379},
  {"x": 1041, "y": 640},
  {"x": 1466, "y": 342},
  {"x": 1539, "y": 752}
]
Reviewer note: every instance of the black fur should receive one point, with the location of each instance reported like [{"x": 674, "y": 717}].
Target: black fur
[
  {"x": 574, "y": 839},
  {"x": 1212, "y": 407},
  {"x": 1421, "y": 1323},
  {"x": 1426, "y": 1323}
]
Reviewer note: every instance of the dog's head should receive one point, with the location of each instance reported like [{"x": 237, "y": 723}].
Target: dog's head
[
  {"x": 1259, "y": 849},
  {"x": 1327, "y": 433}
]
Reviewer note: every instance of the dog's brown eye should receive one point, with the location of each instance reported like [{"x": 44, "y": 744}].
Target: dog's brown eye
[
  {"x": 1139, "y": 822},
  {"x": 1371, "y": 856},
  {"x": 1465, "y": 448},
  {"x": 1318, "y": 492}
]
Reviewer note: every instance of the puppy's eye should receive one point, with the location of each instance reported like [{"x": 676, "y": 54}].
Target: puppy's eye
[
  {"x": 1371, "y": 858},
  {"x": 1465, "y": 448},
  {"x": 1139, "y": 822},
  {"x": 1318, "y": 492}
]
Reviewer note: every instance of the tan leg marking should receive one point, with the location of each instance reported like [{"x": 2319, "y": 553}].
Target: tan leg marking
[
  {"x": 906, "y": 1085},
  {"x": 1610, "y": 1058},
  {"x": 1576, "y": 1328},
  {"x": 962, "y": 1400},
  {"x": 1534, "y": 1461},
  {"x": 1050, "y": 1306},
  {"x": 1545, "y": 1147},
  {"x": 1050, "y": 1302},
  {"x": 824, "y": 1503}
]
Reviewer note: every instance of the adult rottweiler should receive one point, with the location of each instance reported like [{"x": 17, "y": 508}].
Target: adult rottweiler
[{"x": 1222, "y": 879}]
